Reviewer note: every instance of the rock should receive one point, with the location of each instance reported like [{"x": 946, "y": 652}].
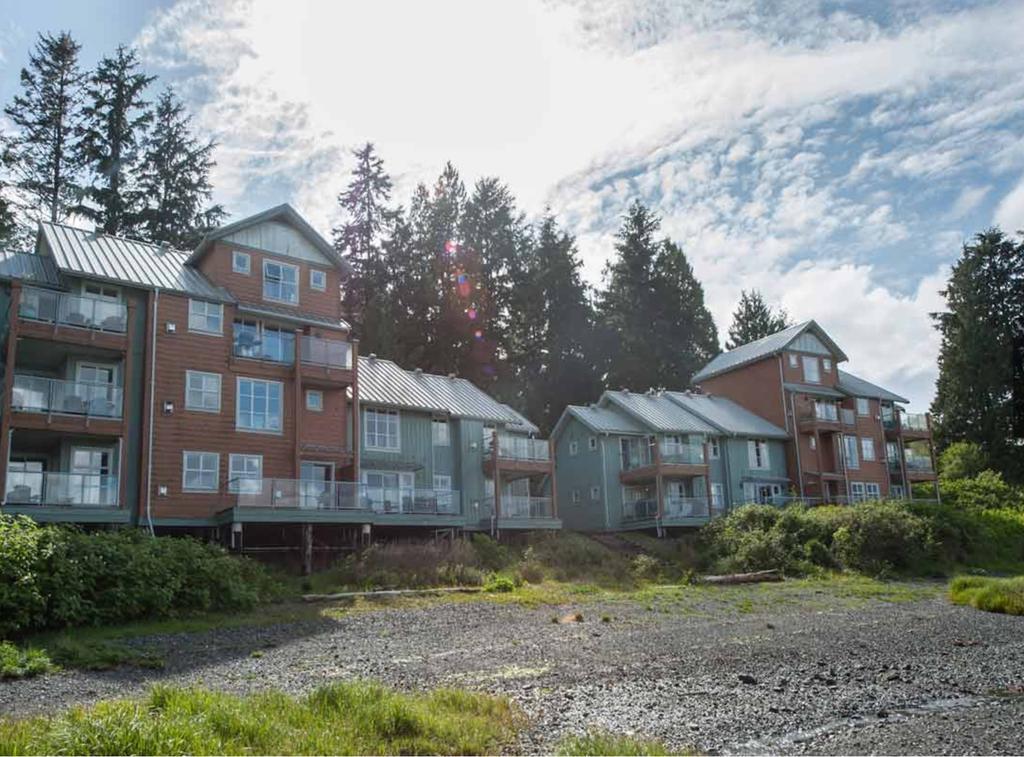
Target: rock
[{"x": 747, "y": 678}]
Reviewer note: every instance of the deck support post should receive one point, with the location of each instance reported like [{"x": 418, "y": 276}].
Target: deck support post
[{"x": 307, "y": 548}]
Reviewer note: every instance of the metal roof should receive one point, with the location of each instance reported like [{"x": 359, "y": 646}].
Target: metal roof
[
  {"x": 658, "y": 412},
  {"x": 26, "y": 266},
  {"x": 728, "y": 416},
  {"x": 821, "y": 391},
  {"x": 762, "y": 348},
  {"x": 290, "y": 314},
  {"x": 605, "y": 420},
  {"x": 126, "y": 261},
  {"x": 283, "y": 212},
  {"x": 858, "y": 387},
  {"x": 384, "y": 382}
]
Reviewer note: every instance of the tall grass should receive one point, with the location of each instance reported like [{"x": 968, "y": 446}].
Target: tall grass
[
  {"x": 604, "y": 743},
  {"x": 345, "y": 718},
  {"x": 1003, "y": 595}
]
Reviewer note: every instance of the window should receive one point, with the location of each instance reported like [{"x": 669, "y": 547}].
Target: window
[
  {"x": 574, "y": 447},
  {"x": 713, "y": 449},
  {"x": 381, "y": 429},
  {"x": 245, "y": 473},
  {"x": 575, "y": 496},
  {"x": 259, "y": 405},
  {"x": 867, "y": 448},
  {"x": 811, "y": 373},
  {"x": 440, "y": 433},
  {"x": 103, "y": 292},
  {"x": 813, "y": 442},
  {"x": 255, "y": 339},
  {"x": 863, "y": 407},
  {"x": 857, "y": 491},
  {"x": 202, "y": 391},
  {"x": 280, "y": 282},
  {"x": 592, "y": 443},
  {"x": 206, "y": 317},
  {"x": 317, "y": 280},
  {"x": 442, "y": 482},
  {"x": 897, "y": 491},
  {"x": 872, "y": 491},
  {"x": 757, "y": 454},
  {"x": 850, "y": 451},
  {"x": 240, "y": 262},
  {"x": 314, "y": 400},
  {"x": 792, "y": 360},
  {"x": 200, "y": 471},
  {"x": 826, "y": 365},
  {"x": 595, "y": 493},
  {"x": 717, "y": 495}
]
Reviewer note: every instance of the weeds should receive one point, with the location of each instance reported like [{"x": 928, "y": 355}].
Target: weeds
[
  {"x": 1002, "y": 595},
  {"x": 605, "y": 743},
  {"x": 23, "y": 663}
]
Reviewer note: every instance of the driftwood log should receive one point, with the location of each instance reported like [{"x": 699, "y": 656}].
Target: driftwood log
[
  {"x": 390, "y": 593},
  {"x": 759, "y": 576}
]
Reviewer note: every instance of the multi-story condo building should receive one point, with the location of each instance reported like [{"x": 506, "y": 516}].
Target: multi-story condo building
[
  {"x": 848, "y": 439},
  {"x": 152, "y": 386},
  {"x": 437, "y": 451},
  {"x": 663, "y": 459}
]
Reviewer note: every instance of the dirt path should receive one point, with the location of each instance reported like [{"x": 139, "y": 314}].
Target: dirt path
[{"x": 757, "y": 669}]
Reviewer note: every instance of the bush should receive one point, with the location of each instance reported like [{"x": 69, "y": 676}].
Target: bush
[
  {"x": 962, "y": 460},
  {"x": 985, "y": 491},
  {"x": 499, "y": 584},
  {"x": 880, "y": 537},
  {"x": 645, "y": 568},
  {"x": 22, "y": 663},
  {"x": 412, "y": 565},
  {"x": 1004, "y": 595},
  {"x": 57, "y": 577}
]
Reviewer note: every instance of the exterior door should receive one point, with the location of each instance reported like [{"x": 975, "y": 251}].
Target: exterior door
[
  {"x": 315, "y": 485},
  {"x": 389, "y": 491},
  {"x": 766, "y": 493},
  {"x": 89, "y": 482}
]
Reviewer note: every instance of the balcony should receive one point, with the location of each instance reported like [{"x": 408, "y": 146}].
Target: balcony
[
  {"x": 341, "y": 500},
  {"x": 680, "y": 459},
  {"x": 329, "y": 353},
  {"x": 915, "y": 426},
  {"x": 919, "y": 467},
  {"x": 61, "y": 489},
  {"x": 825, "y": 416},
  {"x": 270, "y": 346},
  {"x": 92, "y": 320},
  {"x": 676, "y": 453},
  {"x": 521, "y": 507},
  {"x": 517, "y": 454},
  {"x": 676, "y": 508},
  {"x": 76, "y": 403}
]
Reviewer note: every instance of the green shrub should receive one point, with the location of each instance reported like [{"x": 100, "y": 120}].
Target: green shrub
[
  {"x": 569, "y": 556},
  {"x": 57, "y": 577},
  {"x": 985, "y": 491},
  {"x": 1003, "y": 595},
  {"x": 962, "y": 460},
  {"x": 490, "y": 554},
  {"x": 23, "y": 663},
  {"x": 881, "y": 537},
  {"x": 645, "y": 568},
  {"x": 499, "y": 584}
]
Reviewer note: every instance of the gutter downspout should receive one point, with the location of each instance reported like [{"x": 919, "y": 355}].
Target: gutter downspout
[
  {"x": 604, "y": 483},
  {"x": 796, "y": 439},
  {"x": 152, "y": 404}
]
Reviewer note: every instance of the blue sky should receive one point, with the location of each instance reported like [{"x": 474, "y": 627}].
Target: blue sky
[{"x": 833, "y": 154}]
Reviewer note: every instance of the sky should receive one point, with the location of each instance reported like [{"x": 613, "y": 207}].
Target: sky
[{"x": 834, "y": 155}]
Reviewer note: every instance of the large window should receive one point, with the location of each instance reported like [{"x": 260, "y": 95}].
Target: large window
[
  {"x": 863, "y": 408},
  {"x": 205, "y": 317},
  {"x": 867, "y": 448},
  {"x": 260, "y": 341},
  {"x": 812, "y": 369},
  {"x": 440, "y": 433},
  {"x": 200, "y": 471},
  {"x": 757, "y": 454},
  {"x": 850, "y": 450},
  {"x": 280, "y": 282},
  {"x": 202, "y": 391},
  {"x": 245, "y": 473},
  {"x": 259, "y": 405},
  {"x": 381, "y": 429}
]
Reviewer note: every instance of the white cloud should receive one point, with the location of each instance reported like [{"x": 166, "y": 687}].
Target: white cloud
[
  {"x": 1009, "y": 215},
  {"x": 968, "y": 199}
]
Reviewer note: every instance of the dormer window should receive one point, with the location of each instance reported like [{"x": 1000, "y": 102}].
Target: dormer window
[
  {"x": 241, "y": 262},
  {"x": 280, "y": 282},
  {"x": 317, "y": 279}
]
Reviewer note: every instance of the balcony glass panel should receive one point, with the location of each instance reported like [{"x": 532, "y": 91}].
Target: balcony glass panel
[
  {"x": 66, "y": 489},
  {"x": 681, "y": 453},
  {"x": 332, "y": 353},
  {"x": 46, "y": 395},
  {"x": 73, "y": 310},
  {"x": 915, "y": 421}
]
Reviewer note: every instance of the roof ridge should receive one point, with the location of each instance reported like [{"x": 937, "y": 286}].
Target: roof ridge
[{"x": 133, "y": 240}]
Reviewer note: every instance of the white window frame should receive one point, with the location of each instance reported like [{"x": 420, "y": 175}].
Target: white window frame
[
  {"x": 235, "y": 477},
  {"x": 794, "y": 360},
  {"x": 318, "y": 406},
  {"x": 574, "y": 448},
  {"x": 896, "y": 491},
  {"x": 826, "y": 365},
  {"x": 266, "y": 410},
  {"x": 442, "y": 482},
  {"x": 282, "y": 266},
  {"x": 808, "y": 360},
  {"x": 853, "y": 464},
  {"x": 595, "y": 493},
  {"x": 321, "y": 274},
  {"x": 202, "y": 469},
  {"x": 863, "y": 406},
  {"x": 575, "y": 496},
  {"x": 717, "y": 495},
  {"x": 812, "y": 442},
  {"x": 866, "y": 444},
  {"x": 758, "y": 455},
  {"x": 388, "y": 414},
  {"x": 196, "y": 329},
  {"x": 203, "y": 390},
  {"x": 236, "y": 257},
  {"x": 857, "y": 491},
  {"x": 592, "y": 443},
  {"x": 437, "y": 438},
  {"x": 714, "y": 451},
  {"x": 872, "y": 490}
]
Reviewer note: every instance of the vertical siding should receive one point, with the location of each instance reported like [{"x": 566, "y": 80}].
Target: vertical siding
[
  {"x": 135, "y": 400},
  {"x": 581, "y": 472},
  {"x": 471, "y": 473},
  {"x": 416, "y": 448},
  {"x": 739, "y": 466}
]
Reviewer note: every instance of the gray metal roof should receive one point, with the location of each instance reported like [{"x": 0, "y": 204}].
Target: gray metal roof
[
  {"x": 858, "y": 387},
  {"x": 385, "y": 383},
  {"x": 762, "y": 348},
  {"x": 658, "y": 412},
  {"x": 26, "y": 266},
  {"x": 605, "y": 420},
  {"x": 816, "y": 389},
  {"x": 126, "y": 261},
  {"x": 727, "y": 416},
  {"x": 285, "y": 313}
]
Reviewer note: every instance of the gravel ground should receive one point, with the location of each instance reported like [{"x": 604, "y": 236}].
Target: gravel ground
[{"x": 765, "y": 670}]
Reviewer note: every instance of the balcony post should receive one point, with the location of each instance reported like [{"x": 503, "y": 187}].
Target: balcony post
[
  {"x": 354, "y": 442},
  {"x": 554, "y": 482},
  {"x": 497, "y": 475},
  {"x": 707, "y": 476},
  {"x": 127, "y": 376},
  {"x": 8, "y": 390},
  {"x": 657, "y": 478},
  {"x": 298, "y": 405}
]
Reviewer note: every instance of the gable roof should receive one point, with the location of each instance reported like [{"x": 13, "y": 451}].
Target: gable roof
[
  {"x": 283, "y": 212},
  {"x": 751, "y": 352},
  {"x": 125, "y": 261},
  {"x": 26, "y": 266},
  {"x": 727, "y": 416},
  {"x": 384, "y": 382},
  {"x": 658, "y": 412},
  {"x": 854, "y": 386},
  {"x": 602, "y": 420}
]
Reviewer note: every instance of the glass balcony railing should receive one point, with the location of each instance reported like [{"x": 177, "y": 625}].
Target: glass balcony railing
[
  {"x": 826, "y": 411},
  {"x": 522, "y": 507},
  {"x": 45, "y": 395},
  {"x": 644, "y": 508},
  {"x": 681, "y": 453},
  {"x": 917, "y": 462},
  {"x": 61, "y": 489},
  {"x": 687, "y": 507},
  {"x": 915, "y": 421},
  {"x": 331, "y": 353},
  {"x": 297, "y": 494},
  {"x": 73, "y": 310},
  {"x": 511, "y": 447}
]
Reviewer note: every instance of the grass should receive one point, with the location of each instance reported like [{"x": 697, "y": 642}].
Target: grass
[
  {"x": 23, "y": 663},
  {"x": 1003, "y": 595},
  {"x": 604, "y": 743},
  {"x": 344, "y": 718}
]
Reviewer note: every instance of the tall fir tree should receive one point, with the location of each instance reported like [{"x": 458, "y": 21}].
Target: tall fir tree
[
  {"x": 174, "y": 177},
  {"x": 8, "y": 221},
  {"x": 368, "y": 220},
  {"x": 114, "y": 118},
  {"x": 978, "y": 392},
  {"x": 754, "y": 319},
  {"x": 683, "y": 330},
  {"x": 46, "y": 113}
]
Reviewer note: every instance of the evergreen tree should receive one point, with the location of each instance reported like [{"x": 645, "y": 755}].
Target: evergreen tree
[
  {"x": 174, "y": 177},
  {"x": 754, "y": 319},
  {"x": 367, "y": 222},
  {"x": 8, "y": 222},
  {"x": 683, "y": 330},
  {"x": 414, "y": 294},
  {"x": 115, "y": 116},
  {"x": 46, "y": 113},
  {"x": 978, "y": 393}
]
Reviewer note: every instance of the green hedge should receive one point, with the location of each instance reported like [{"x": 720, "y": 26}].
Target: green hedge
[{"x": 57, "y": 576}]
